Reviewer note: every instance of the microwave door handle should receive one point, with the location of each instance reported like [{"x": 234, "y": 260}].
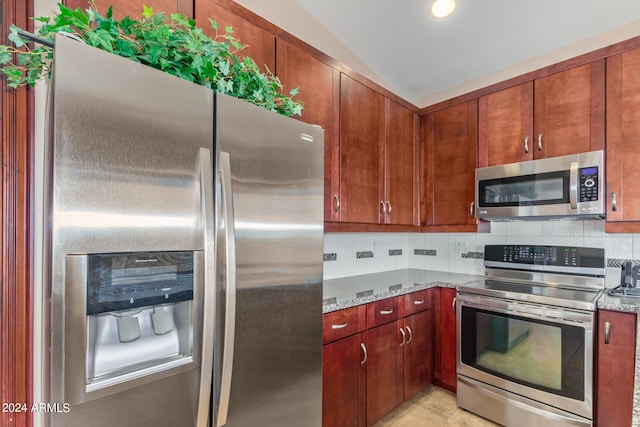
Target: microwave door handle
[{"x": 573, "y": 185}]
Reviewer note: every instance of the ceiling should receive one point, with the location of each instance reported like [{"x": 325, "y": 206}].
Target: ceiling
[{"x": 425, "y": 60}]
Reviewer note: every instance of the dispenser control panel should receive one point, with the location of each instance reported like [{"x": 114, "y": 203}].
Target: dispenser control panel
[{"x": 120, "y": 281}]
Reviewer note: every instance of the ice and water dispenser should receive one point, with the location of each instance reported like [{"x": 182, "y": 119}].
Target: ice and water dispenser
[{"x": 139, "y": 315}]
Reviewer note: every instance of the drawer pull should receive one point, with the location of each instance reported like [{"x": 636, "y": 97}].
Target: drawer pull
[
  {"x": 404, "y": 337},
  {"x": 418, "y": 302},
  {"x": 341, "y": 326},
  {"x": 364, "y": 352},
  {"x": 385, "y": 312}
]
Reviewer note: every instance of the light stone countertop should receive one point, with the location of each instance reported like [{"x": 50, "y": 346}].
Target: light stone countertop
[{"x": 352, "y": 291}]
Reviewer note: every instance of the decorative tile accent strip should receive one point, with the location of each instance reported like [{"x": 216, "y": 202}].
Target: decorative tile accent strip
[
  {"x": 394, "y": 288},
  {"x": 475, "y": 255},
  {"x": 332, "y": 300},
  {"x": 395, "y": 252},
  {"x": 618, "y": 262},
  {"x": 364, "y": 254},
  {"x": 330, "y": 257},
  {"x": 427, "y": 252},
  {"x": 364, "y": 294}
]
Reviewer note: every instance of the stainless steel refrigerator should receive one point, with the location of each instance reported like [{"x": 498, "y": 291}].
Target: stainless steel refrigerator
[{"x": 182, "y": 253}]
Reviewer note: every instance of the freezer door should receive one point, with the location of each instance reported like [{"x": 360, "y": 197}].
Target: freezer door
[
  {"x": 269, "y": 267},
  {"x": 130, "y": 152}
]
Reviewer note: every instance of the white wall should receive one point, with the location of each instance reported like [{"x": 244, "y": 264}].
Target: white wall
[{"x": 450, "y": 247}]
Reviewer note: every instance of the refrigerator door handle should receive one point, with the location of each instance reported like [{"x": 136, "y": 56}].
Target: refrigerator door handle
[
  {"x": 230, "y": 311},
  {"x": 209, "y": 294}
]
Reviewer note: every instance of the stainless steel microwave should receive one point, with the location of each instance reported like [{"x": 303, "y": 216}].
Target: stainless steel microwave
[{"x": 557, "y": 187}]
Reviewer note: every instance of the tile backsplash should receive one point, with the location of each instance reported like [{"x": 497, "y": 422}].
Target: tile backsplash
[{"x": 462, "y": 252}]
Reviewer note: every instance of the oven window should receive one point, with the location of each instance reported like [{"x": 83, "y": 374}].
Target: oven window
[
  {"x": 540, "y": 354},
  {"x": 525, "y": 190}
]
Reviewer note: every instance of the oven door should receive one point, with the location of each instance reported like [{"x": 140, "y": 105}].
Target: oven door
[{"x": 541, "y": 352}]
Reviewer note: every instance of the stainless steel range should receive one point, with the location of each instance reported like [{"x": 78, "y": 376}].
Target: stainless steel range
[{"x": 526, "y": 335}]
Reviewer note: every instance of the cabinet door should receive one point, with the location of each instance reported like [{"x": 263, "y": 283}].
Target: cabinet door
[
  {"x": 505, "y": 126},
  {"x": 401, "y": 165},
  {"x": 261, "y": 44},
  {"x": 569, "y": 111},
  {"x": 361, "y": 130},
  {"x": 616, "y": 366},
  {"x": 133, "y": 8},
  {"x": 444, "y": 373},
  {"x": 448, "y": 161},
  {"x": 623, "y": 142},
  {"x": 384, "y": 370},
  {"x": 344, "y": 383},
  {"x": 320, "y": 92},
  {"x": 417, "y": 353}
]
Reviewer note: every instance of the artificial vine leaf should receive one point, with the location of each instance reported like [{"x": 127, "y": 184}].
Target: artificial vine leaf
[{"x": 175, "y": 46}]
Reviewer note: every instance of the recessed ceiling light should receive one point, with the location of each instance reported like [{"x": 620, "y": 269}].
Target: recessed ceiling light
[{"x": 442, "y": 8}]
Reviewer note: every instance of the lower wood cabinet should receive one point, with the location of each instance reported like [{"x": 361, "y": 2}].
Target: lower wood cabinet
[
  {"x": 418, "y": 357},
  {"x": 385, "y": 369},
  {"x": 369, "y": 373},
  {"x": 445, "y": 358},
  {"x": 344, "y": 383},
  {"x": 616, "y": 355}
]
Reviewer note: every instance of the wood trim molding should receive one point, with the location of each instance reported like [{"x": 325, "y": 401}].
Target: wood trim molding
[{"x": 16, "y": 300}]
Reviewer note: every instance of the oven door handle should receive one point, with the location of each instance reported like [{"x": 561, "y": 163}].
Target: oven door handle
[{"x": 525, "y": 311}]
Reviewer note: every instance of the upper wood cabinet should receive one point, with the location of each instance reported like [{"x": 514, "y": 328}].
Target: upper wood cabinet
[
  {"x": 401, "y": 165},
  {"x": 261, "y": 44},
  {"x": 447, "y": 171},
  {"x": 320, "y": 92},
  {"x": 505, "y": 126},
  {"x": 623, "y": 142},
  {"x": 562, "y": 113},
  {"x": 133, "y": 8},
  {"x": 378, "y": 158},
  {"x": 361, "y": 135}
]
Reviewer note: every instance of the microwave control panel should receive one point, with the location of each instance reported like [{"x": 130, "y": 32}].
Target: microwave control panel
[{"x": 588, "y": 184}]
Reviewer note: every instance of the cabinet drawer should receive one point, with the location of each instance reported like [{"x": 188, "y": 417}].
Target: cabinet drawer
[
  {"x": 416, "y": 302},
  {"x": 342, "y": 323},
  {"x": 383, "y": 311}
]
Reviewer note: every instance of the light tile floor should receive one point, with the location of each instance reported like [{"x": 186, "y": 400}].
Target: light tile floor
[{"x": 430, "y": 408}]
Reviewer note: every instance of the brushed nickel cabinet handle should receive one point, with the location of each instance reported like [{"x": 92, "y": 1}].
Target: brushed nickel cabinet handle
[
  {"x": 539, "y": 142},
  {"x": 471, "y": 209},
  {"x": 364, "y": 352},
  {"x": 337, "y": 199},
  {"x": 388, "y": 208},
  {"x": 526, "y": 145},
  {"x": 410, "y": 335},
  {"x": 418, "y": 302},
  {"x": 453, "y": 304},
  {"x": 384, "y": 209},
  {"x": 385, "y": 312},
  {"x": 404, "y": 337},
  {"x": 341, "y": 326},
  {"x": 614, "y": 202},
  {"x": 607, "y": 332}
]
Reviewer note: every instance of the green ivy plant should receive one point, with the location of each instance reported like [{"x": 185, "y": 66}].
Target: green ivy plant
[{"x": 174, "y": 45}]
